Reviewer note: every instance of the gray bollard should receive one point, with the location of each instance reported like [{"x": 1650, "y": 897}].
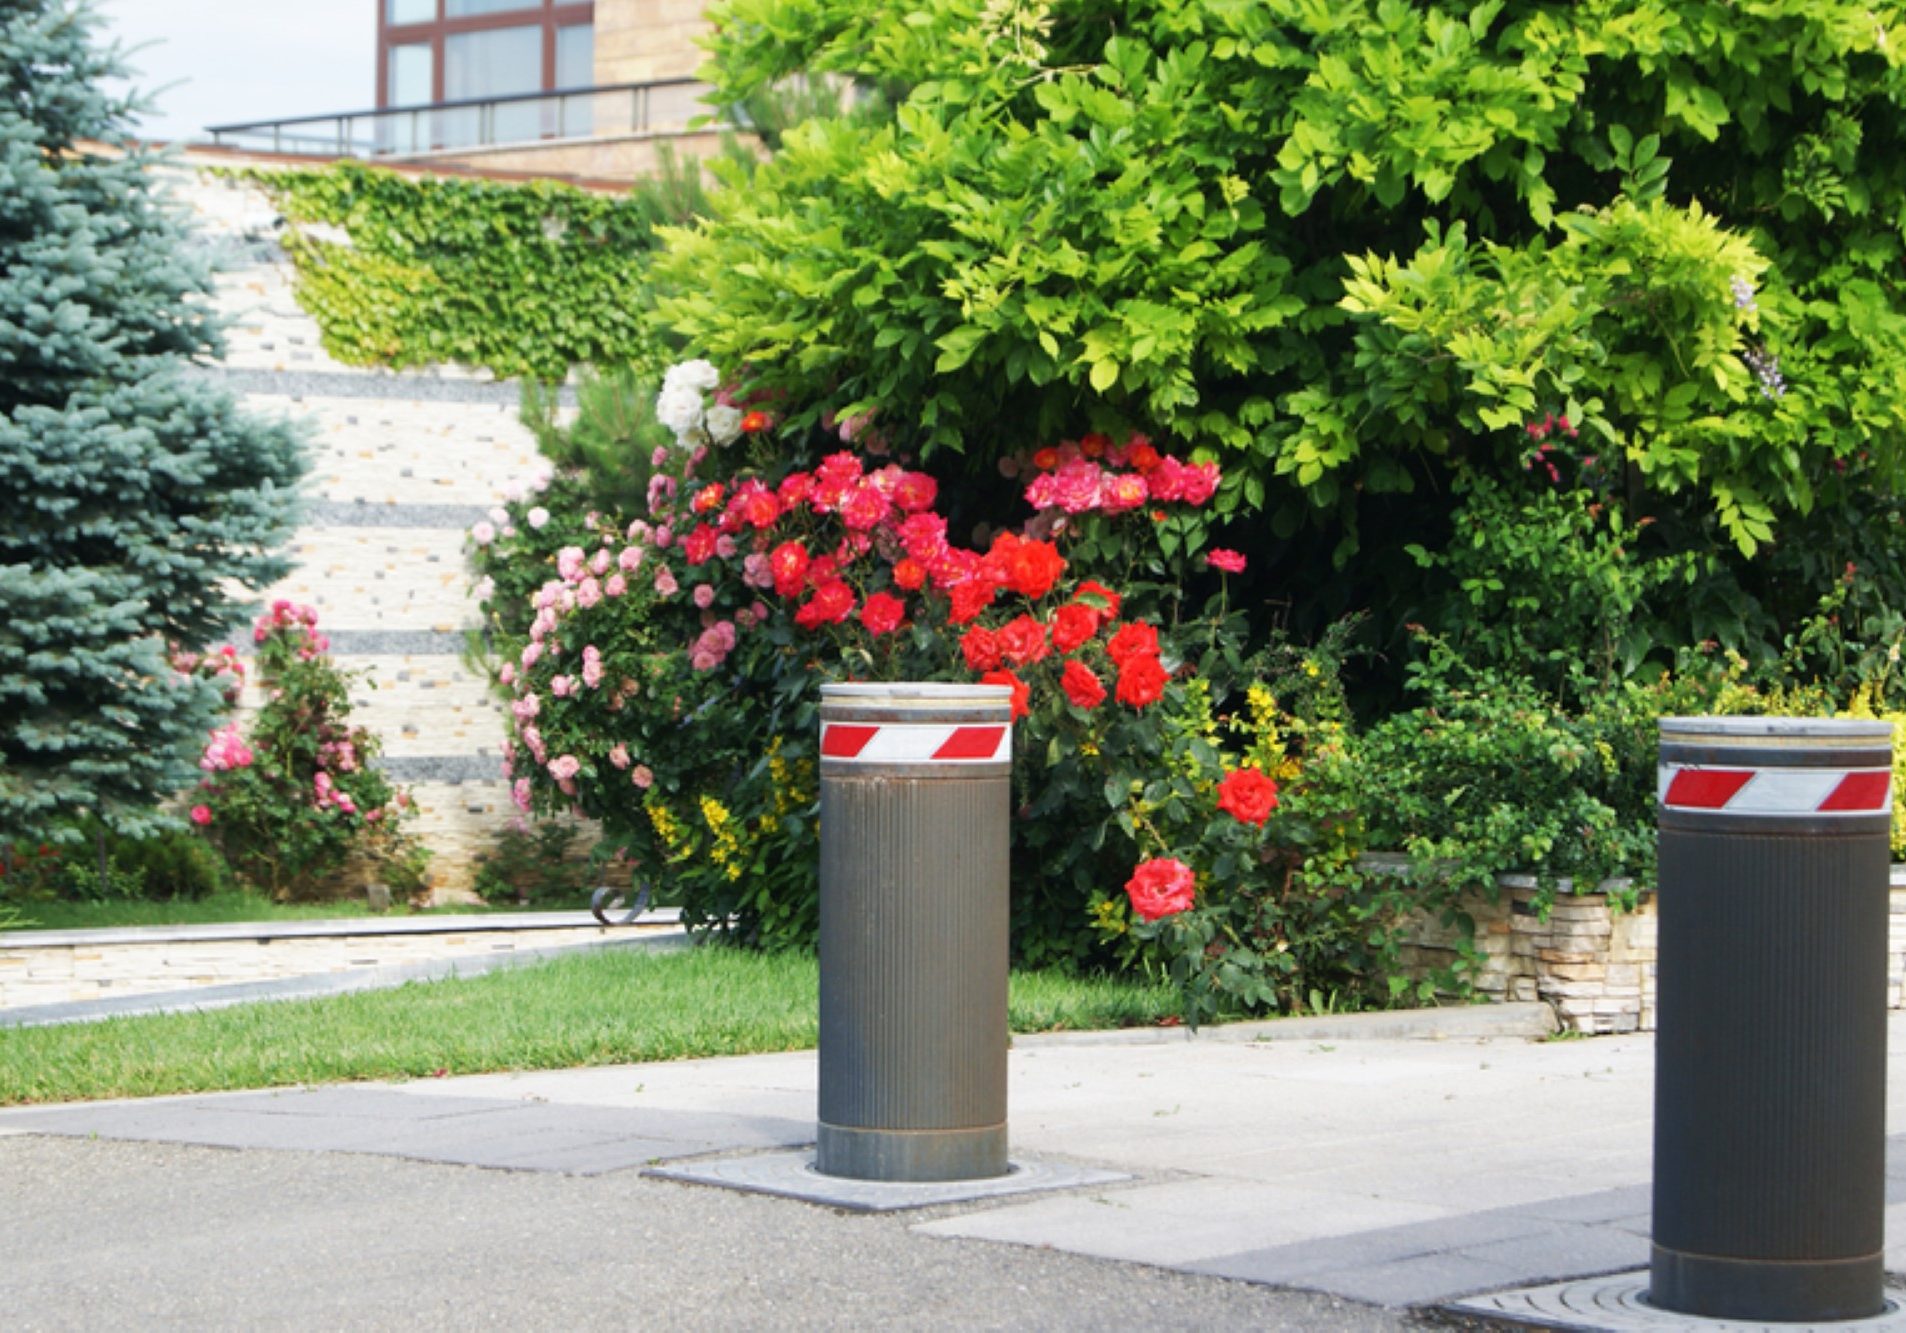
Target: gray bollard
[
  {"x": 916, "y": 796},
  {"x": 1770, "y": 1050}
]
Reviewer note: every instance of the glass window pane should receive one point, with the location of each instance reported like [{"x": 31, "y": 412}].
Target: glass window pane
[
  {"x": 411, "y": 68},
  {"x": 410, "y": 11},
  {"x": 459, "y": 9},
  {"x": 576, "y": 56},
  {"x": 493, "y": 64},
  {"x": 575, "y": 68}
]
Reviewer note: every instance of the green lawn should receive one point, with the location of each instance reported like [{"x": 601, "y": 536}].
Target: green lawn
[
  {"x": 603, "y": 1007},
  {"x": 217, "y": 908}
]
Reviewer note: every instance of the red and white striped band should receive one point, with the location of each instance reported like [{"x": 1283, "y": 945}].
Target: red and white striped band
[
  {"x": 1777, "y": 791},
  {"x": 915, "y": 743}
]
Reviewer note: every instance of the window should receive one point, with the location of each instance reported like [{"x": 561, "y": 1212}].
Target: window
[
  {"x": 410, "y": 11},
  {"x": 463, "y": 9},
  {"x": 412, "y": 73},
  {"x": 493, "y": 63},
  {"x": 576, "y": 56}
]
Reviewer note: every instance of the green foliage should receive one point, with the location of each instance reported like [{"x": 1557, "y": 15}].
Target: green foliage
[
  {"x": 609, "y": 441},
  {"x": 535, "y": 863},
  {"x": 1553, "y": 587},
  {"x": 135, "y": 501},
  {"x": 522, "y": 279},
  {"x": 1351, "y": 251}
]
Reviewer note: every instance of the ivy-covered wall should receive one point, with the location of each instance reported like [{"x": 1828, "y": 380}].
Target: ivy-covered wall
[{"x": 521, "y": 279}]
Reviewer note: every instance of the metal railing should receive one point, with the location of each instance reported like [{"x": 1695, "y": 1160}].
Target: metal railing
[{"x": 477, "y": 122}]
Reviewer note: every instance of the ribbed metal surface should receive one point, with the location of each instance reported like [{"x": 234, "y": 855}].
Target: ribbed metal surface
[
  {"x": 1770, "y": 1072},
  {"x": 913, "y": 952}
]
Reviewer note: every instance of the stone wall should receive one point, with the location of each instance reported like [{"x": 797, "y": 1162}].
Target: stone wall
[
  {"x": 640, "y": 41},
  {"x": 401, "y": 466},
  {"x": 610, "y": 157},
  {"x": 1593, "y": 964}
]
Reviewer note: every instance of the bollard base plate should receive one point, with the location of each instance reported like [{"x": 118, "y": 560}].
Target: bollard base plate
[
  {"x": 916, "y": 1155},
  {"x": 1619, "y": 1303},
  {"x": 1809, "y": 1291},
  {"x": 791, "y": 1175}
]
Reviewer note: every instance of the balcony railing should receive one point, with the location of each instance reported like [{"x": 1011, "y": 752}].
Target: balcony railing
[{"x": 478, "y": 122}]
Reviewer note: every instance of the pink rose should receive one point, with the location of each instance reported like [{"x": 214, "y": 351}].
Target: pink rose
[
  {"x": 642, "y": 777},
  {"x": 1228, "y": 562},
  {"x": 201, "y": 815},
  {"x": 614, "y": 586},
  {"x": 704, "y": 595},
  {"x": 619, "y": 756},
  {"x": 564, "y": 768}
]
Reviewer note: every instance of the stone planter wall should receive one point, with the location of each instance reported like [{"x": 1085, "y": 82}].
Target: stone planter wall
[{"x": 1596, "y": 967}]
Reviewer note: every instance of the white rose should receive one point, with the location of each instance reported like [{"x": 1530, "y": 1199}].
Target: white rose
[
  {"x": 724, "y": 424},
  {"x": 679, "y": 408},
  {"x": 697, "y": 375}
]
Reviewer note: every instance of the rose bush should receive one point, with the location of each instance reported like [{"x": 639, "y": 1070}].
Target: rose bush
[
  {"x": 292, "y": 803},
  {"x": 664, "y": 681}
]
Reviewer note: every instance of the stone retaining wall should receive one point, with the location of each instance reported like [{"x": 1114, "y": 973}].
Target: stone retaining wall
[{"x": 1595, "y": 966}]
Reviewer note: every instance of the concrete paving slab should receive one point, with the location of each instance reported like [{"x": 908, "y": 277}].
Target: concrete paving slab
[
  {"x": 1422, "y": 1280},
  {"x": 1571, "y": 1251},
  {"x": 1181, "y": 1222}
]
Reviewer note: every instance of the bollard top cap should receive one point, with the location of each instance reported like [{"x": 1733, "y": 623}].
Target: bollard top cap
[
  {"x": 1762, "y": 732},
  {"x": 937, "y": 694}
]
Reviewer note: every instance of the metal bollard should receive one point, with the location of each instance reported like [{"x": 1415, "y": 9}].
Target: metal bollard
[
  {"x": 916, "y": 795},
  {"x": 1770, "y": 1049}
]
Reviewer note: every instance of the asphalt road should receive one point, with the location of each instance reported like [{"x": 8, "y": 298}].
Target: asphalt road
[{"x": 99, "y": 1234}]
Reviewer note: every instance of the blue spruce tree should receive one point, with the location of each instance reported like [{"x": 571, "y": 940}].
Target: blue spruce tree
[{"x": 135, "y": 499}]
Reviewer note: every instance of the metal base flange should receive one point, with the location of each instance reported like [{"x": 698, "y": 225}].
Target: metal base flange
[
  {"x": 791, "y": 1175},
  {"x": 1618, "y": 1304}
]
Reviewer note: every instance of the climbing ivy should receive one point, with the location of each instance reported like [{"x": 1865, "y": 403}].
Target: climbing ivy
[{"x": 522, "y": 279}]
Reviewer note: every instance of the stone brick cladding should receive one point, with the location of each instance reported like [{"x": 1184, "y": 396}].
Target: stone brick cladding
[
  {"x": 402, "y": 464},
  {"x": 1593, "y": 964},
  {"x": 640, "y": 41}
]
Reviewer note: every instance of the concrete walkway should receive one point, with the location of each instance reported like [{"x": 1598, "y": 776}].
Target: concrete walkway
[
  {"x": 1387, "y": 1173},
  {"x": 68, "y": 976}
]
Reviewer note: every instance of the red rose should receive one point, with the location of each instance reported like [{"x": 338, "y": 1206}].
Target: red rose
[
  {"x": 698, "y": 547},
  {"x": 1023, "y": 641},
  {"x": 708, "y": 498},
  {"x": 910, "y": 574},
  {"x": 789, "y": 563},
  {"x": 1093, "y": 445},
  {"x": 1081, "y": 686},
  {"x": 1136, "y": 639},
  {"x": 1073, "y": 624},
  {"x": 883, "y": 613},
  {"x": 795, "y": 489},
  {"x": 755, "y": 422},
  {"x": 832, "y": 602},
  {"x": 1141, "y": 455},
  {"x": 915, "y": 492},
  {"x": 1100, "y": 599},
  {"x": 1031, "y": 568},
  {"x": 1247, "y": 796},
  {"x": 1160, "y": 887},
  {"x": 1229, "y": 562},
  {"x": 1022, "y": 692},
  {"x": 969, "y": 598},
  {"x": 1045, "y": 459},
  {"x": 1141, "y": 681},
  {"x": 980, "y": 646}
]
